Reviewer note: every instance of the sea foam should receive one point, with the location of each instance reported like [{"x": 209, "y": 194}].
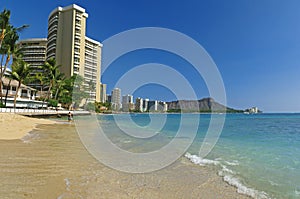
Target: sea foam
[
  {"x": 225, "y": 170},
  {"x": 243, "y": 189},
  {"x": 228, "y": 175},
  {"x": 233, "y": 163},
  {"x": 200, "y": 161}
]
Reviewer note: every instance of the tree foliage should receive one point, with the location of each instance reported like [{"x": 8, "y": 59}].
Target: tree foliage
[
  {"x": 9, "y": 50},
  {"x": 20, "y": 72}
]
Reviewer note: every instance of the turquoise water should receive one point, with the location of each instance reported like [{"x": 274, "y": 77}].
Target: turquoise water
[{"x": 259, "y": 154}]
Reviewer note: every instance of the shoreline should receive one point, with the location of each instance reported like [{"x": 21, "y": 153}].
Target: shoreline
[
  {"x": 178, "y": 180},
  {"x": 14, "y": 126}
]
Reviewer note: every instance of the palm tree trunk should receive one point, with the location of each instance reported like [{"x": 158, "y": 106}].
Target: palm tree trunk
[
  {"x": 1, "y": 75},
  {"x": 2, "y": 36},
  {"x": 7, "y": 89},
  {"x": 15, "y": 100},
  {"x": 48, "y": 93},
  {"x": 41, "y": 91},
  {"x": 8, "y": 58},
  {"x": 1, "y": 83},
  {"x": 3, "y": 70},
  {"x": 56, "y": 93}
]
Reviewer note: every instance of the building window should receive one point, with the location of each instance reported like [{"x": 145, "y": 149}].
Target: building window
[
  {"x": 78, "y": 21},
  {"x": 77, "y": 40}
]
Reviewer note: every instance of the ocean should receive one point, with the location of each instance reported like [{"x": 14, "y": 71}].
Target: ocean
[{"x": 259, "y": 154}]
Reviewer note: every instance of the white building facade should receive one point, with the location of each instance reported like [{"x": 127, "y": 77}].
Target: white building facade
[{"x": 116, "y": 99}]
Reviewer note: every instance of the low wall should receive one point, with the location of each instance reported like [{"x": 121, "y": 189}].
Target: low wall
[{"x": 41, "y": 112}]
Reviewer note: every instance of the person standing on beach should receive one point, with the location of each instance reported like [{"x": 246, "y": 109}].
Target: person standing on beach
[{"x": 69, "y": 116}]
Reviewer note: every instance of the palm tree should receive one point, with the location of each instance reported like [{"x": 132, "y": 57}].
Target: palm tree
[
  {"x": 20, "y": 72},
  {"x": 4, "y": 22},
  {"x": 39, "y": 77},
  {"x": 7, "y": 50},
  {"x": 52, "y": 70},
  {"x": 8, "y": 76},
  {"x": 8, "y": 39},
  {"x": 5, "y": 25},
  {"x": 17, "y": 57},
  {"x": 59, "y": 84},
  {"x": 15, "y": 54}
]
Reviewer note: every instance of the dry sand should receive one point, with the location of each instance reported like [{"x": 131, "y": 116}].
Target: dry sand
[{"x": 14, "y": 126}]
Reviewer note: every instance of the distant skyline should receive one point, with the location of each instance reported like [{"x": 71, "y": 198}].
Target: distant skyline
[{"x": 255, "y": 44}]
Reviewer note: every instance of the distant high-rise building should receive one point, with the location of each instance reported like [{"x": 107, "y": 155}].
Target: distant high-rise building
[
  {"x": 116, "y": 99},
  {"x": 127, "y": 99},
  {"x": 108, "y": 98},
  {"x": 127, "y": 103},
  {"x": 155, "y": 105},
  {"x": 145, "y": 105},
  {"x": 165, "y": 109},
  {"x": 73, "y": 51},
  {"x": 102, "y": 93},
  {"x": 152, "y": 105},
  {"x": 34, "y": 53},
  {"x": 139, "y": 104},
  {"x": 162, "y": 106}
]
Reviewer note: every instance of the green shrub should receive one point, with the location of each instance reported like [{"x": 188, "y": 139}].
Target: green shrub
[
  {"x": 2, "y": 105},
  {"x": 53, "y": 102}
]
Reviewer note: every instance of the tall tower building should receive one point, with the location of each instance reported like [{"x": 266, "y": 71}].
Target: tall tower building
[
  {"x": 34, "y": 53},
  {"x": 72, "y": 49},
  {"x": 153, "y": 105},
  {"x": 108, "y": 98},
  {"x": 103, "y": 96},
  {"x": 66, "y": 38},
  {"x": 92, "y": 66},
  {"x": 145, "y": 104},
  {"x": 139, "y": 104},
  {"x": 127, "y": 103},
  {"x": 116, "y": 99}
]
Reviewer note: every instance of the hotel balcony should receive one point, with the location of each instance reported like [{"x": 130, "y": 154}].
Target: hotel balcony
[
  {"x": 77, "y": 36},
  {"x": 52, "y": 28},
  {"x": 51, "y": 47},
  {"x": 53, "y": 18}
]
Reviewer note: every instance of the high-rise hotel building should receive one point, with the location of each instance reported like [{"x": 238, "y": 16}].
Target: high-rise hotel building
[
  {"x": 34, "y": 53},
  {"x": 116, "y": 99},
  {"x": 103, "y": 96},
  {"x": 73, "y": 50}
]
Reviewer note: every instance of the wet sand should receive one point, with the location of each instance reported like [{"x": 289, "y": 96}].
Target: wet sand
[{"x": 51, "y": 162}]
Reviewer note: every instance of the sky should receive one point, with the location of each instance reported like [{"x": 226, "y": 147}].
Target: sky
[{"x": 255, "y": 44}]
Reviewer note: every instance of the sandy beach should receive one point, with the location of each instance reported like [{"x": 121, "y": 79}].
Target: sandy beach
[
  {"x": 51, "y": 162},
  {"x": 14, "y": 126}
]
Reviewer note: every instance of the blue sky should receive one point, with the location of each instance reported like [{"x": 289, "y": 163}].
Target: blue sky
[{"x": 254, "y": 43}]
